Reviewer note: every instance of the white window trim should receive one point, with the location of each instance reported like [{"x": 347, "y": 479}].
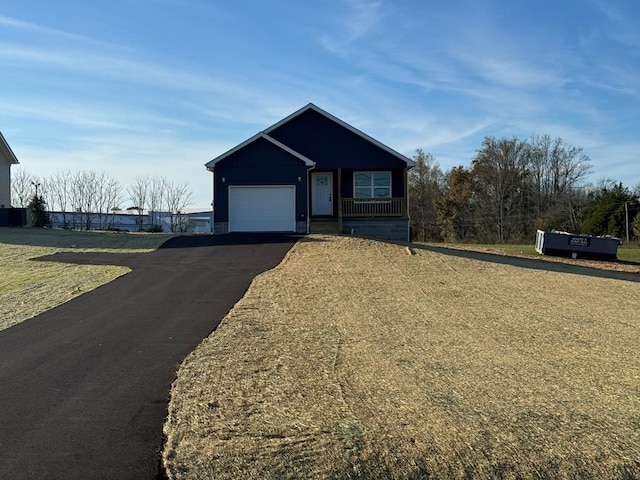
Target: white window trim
[{"x": 372, "y": 186}]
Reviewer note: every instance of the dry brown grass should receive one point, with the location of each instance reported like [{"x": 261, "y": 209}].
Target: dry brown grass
[
  {"x": 356, "y": 359},
  {"x": 28, "y": 288}
]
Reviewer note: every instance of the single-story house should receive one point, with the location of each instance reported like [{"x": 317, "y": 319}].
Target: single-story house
[
  {"x": 7, "y": 158},
  {"x": 311, "y": 172}
]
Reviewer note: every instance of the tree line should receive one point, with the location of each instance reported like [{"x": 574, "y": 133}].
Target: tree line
[
  {"x": 514, "y": 187},
  {"x": 511, "y": 189},
  {"x": 86, "y": 198}
]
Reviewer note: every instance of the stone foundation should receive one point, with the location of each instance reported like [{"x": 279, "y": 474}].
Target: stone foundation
[{"x": 384, "y": 228}]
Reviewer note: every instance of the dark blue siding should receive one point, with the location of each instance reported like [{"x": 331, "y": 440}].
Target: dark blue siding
[
  {"x": 331, "y": 145},
  {"x": 259, "y": 163}
]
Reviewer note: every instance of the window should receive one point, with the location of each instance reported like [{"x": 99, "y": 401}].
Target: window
[{"x": 372, "y": 185}]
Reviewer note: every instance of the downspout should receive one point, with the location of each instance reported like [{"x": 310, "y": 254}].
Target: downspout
[{"x": 213, "y": 201}]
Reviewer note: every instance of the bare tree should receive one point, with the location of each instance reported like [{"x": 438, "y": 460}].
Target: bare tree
[
  {"x": 178, "y": 196},
  {"x": 46, "y": 190},
  {"x": 635, "y": 227},
  {"x": 499, "y": 170},
  {"x": 99, "y": 204},
  {"x": 426, "y": 183},
  {"x": 556, "y": 171},
  {"x": 138, "y": 195},
  {"x": 156, "y": 197},
  {"x": 91, "y": 189},
  {"x": 83, "y": 193},
  {"x": 113, "y": 198},
  {"x": 75, "y": 200},
  {"x": 106, "y": 195},
  {"x": 22, "y": 187},
  {"x": 59, "y": 186}
]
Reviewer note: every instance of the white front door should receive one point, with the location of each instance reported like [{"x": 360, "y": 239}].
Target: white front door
[{"x": 322, "y": 193}]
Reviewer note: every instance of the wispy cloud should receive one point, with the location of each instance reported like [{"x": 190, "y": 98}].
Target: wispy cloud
[
  {"x": 41, "y": 31},
  {"x": 106, "y": 66},
  {"x": 93, "y": 115},
  {"x": 365, "y": 14},
  {"x": 510, "y": 71},
  {"x": 620, "y": 22},
  {"x": 358, "y": 19},
  {"x": 18, "y": 24}
]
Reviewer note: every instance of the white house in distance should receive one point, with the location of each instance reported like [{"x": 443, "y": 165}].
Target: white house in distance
[{"x": 7, "y": 158}]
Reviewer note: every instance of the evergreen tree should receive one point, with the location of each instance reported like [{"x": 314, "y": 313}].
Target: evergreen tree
[
  {"x": 39, "y": 215},
  {"x": 606, "y": 215}
]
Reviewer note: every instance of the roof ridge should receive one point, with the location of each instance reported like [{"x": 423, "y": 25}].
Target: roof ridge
[{"x": 342, "y": 123}]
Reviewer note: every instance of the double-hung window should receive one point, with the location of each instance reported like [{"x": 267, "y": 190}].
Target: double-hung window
[{"x": 372, "y": 184}]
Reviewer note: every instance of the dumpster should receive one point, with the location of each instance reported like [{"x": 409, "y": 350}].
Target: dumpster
[{"x": 576, "y": 245}]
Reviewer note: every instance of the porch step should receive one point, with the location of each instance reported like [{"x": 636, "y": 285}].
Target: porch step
[{"x": 323, "y": 227}]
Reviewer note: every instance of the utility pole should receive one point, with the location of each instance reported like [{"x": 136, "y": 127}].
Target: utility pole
[
  {"x": 626, "y": 216},
  {"x": 36, "y": 184}
]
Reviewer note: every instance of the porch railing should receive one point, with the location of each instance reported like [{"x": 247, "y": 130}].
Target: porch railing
[{"x": 372, "y": 207}]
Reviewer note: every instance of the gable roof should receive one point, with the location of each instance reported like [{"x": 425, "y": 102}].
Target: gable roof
[
  {"x": 310, "y": 163},
  {"x": 211, "y": 164},
  {"x": 311, "y": 106},
  {"x": 6, "y": 152}
]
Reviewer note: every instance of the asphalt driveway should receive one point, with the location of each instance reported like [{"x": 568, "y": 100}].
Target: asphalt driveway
[{"x": 84, "y": 387}]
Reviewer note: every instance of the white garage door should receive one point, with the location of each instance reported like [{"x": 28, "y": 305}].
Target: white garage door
[{"x": 262, "y": 209}]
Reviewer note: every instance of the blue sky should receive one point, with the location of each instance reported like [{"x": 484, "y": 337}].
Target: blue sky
[{"x": 160, "y": 87}]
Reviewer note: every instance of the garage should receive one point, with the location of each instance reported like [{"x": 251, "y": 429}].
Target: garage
[{"x": 269, "y": 208}]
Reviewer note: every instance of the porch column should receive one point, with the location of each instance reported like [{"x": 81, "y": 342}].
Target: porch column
[
  {"x": 405, "y": 203},
  {"x": 339, "y": 181}
]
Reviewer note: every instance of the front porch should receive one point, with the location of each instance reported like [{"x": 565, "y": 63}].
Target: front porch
[
  {"x": 338, "y": 206},
  {"x": 359, "y": 208}
]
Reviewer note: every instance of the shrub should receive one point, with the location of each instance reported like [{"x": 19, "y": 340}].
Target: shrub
[{"x": 154, "y": 229}]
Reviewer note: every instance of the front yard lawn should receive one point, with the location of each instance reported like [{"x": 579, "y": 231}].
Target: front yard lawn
[{"x": 362, "y": 359}]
